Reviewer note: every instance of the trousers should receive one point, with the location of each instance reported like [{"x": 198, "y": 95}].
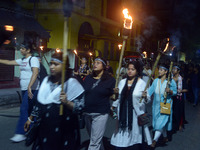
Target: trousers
[
  {"x": 96, "y": 125},
  {"x": 25, "y": 110}
]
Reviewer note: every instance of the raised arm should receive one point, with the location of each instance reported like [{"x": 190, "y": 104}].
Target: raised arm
[{"x": 9, "y": 62}]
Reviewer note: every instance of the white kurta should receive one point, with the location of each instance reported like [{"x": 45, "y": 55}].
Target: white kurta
[{"x": 128, "y": 138}]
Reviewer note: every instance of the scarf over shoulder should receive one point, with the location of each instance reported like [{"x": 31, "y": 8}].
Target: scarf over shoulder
[{"x": 72, "y": 88}]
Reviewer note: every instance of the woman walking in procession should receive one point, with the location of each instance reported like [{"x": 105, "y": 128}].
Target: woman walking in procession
[
  {"x": 29, "y": 83},
  {"x": 161, "y": 122},
  {"x": 98, "y": 89},
  {"x": 57, "y": 132},
  {"x": 178, "y": 100},
  {"x": 128, "y": 134}
]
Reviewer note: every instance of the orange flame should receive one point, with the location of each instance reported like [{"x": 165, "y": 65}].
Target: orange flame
[
  {"x": 167, "y": 45},
  {"x": 120, "y": 46},
  {"x": 128, "y": 19},
  {"x": 8, "y": 28},
  {"x": 58, "y": 50},
  {"x": 42, "y": 48},
  {"x": 75, "y": 52},
  {"x": 145, "y": 54},
  {"x": 90, "y": 54}
]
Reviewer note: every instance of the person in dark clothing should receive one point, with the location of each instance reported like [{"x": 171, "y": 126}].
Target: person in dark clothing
[
  {"x": 98, "y": 90},
  {"x": 57, "y": 132},
  {"x": 178, "y": 100},
  {"x": 188, "y": 75},
  {"x": 109, "y": 68},
  {"x": 196, "y": 84}
]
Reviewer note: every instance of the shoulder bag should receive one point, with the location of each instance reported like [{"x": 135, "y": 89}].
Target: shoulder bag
[{"x": 165, "y": 108}]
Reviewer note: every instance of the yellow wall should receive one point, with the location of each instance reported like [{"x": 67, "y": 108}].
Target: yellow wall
[
  {"x": 76, "y": 22},
  {"x": 55, "y": 24}
]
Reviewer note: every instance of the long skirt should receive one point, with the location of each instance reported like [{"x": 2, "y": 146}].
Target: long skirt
[{"x": 57, "y": 132}]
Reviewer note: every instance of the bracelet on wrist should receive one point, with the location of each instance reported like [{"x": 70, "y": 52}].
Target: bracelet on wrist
[{"x": 30, "y": 120}]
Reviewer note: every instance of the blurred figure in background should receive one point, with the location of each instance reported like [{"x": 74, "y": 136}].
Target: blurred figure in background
[
  {"x": 146, "y": 72},
  {"x": 83, "y": 70},
  {"x": 196, "y": 84},
  {"x": 109, "y": 68}
]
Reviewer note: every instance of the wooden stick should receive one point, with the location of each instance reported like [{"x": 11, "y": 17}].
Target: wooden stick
[
  {"x": 65, "y": 40},
  {"x": 120, "y": 64},
  {"x": 120, "y": 61},
  {"x": 168, "y": 81},
  {"x": 148, "y": 74},
  {"x": 152, "y": 73}
]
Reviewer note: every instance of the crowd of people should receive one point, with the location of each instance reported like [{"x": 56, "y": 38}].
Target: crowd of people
[{"x": 88, "y": 92}]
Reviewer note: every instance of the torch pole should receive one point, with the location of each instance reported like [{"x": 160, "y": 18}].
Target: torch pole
[
  {"x": 149, "y": 75},
  {"x": 120, "y": 60},
  {"x": 65, "y": 40},
  {"x": 168, "y": 81},
  {"x": 152, "y": 73}
]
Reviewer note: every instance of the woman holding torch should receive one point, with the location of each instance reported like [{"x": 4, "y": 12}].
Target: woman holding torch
[
  {"x": 57, "y": 132},
  {"x": 128, "y": 134},
  {"x": 98, "y": 90},
  {"x": 161, "y": 122}
]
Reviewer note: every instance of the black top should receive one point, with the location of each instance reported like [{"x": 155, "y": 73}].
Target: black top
[{"x": 97, "y": 99}]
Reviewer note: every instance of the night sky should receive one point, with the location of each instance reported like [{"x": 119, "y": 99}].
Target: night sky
[{"x": 177, "y": 19}]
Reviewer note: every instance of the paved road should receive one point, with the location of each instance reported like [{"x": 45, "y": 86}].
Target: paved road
[{"x": 187, "y": 140}]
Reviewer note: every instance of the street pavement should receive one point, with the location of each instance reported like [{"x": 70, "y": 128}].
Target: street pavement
[{"x": 186, "y": 140}]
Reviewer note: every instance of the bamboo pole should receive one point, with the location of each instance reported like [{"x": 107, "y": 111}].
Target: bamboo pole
[
  {"x": 152, "y": 73},
  {"x": 65, "y": 40},
  {"x": 120, "y": 64},
  {"x": 168, "y": 81},
  {"x": 120, "y": 61},
  {"x": 149, "y": 75}
]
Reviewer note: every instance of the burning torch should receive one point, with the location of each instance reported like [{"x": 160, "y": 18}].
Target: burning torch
[
  {"x": 90, "y": 59},
  {"x": 42, "y": 48},
  {"x": 128, "y": 22},
  {"x": 76, "y": 54},
  {"x": 155, "y": 65}
]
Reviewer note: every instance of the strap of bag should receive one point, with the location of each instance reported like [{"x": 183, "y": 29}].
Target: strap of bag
[
  {"x": 30, "y": 61},
  {"x": 159, "y": 90}
]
